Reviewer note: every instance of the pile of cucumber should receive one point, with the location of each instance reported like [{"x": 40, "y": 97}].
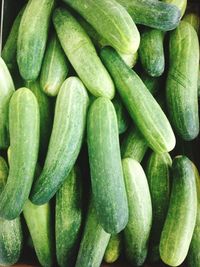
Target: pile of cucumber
[{"x": 99, "y": 128}]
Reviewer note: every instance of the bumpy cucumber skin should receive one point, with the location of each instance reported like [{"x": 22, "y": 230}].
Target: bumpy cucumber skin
[
  {"x": 181, "y": 217},
  {"x": 143, "y": 108},
  {"x": 137, "y": 231},
  {"x": 82, "y": 54},
  {"x": 65, "y": 141},
  {"x": 68, "y": 219},
  {"x": 54, "y": 68},
  {"x": 113, "y": 249},
  {"x": 108, "y": 186},
  {"x": 32, "y": 37},
  {"x": 181, "y": 86},
  {"x": 122, "y": 116}
]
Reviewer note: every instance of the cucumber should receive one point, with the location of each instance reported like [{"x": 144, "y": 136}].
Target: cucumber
[
  {"x": 93, "y": 243},
  {"x": 153, "y": 13},
  {"x": 6, "y": 90},
  {"x": 181, "y": 217},
  {"x": 32, "y": 37},
  {"x": 194, "y": 20},
  {"x": 142, "y": 107},
  {"x": 158, "y": 175},
  {"x": 111, "y": 21},
  {"x": 181, "y": 86},
  {"x": 152, "y": 83},
  {"x": 11, "y": 238},
  {"x": 108, "y": 186},
  {"x": 24, "y": 142},
  {"x": 68, "y": 219},
  {"x": 181, "y": 4},
  {"x": 54, "y": 67},
  {"x": 82, "y": 54},
  {"x": 113, "y": 249},
  {"x": 65, "y": 141},
  {"x": 137, "y": 231}
]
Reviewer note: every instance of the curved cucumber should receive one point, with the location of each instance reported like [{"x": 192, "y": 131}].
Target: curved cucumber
[
  {"x": 181, "y": 217},
  {"x": 65, "y": 142},
  {"x": 113, "y": 249}
]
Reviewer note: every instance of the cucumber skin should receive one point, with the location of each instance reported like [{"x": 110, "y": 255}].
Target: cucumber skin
[
  {"x": 32, "y": 37},
  {"x": 113, "y": 249},
  {"x": 138, "y": 229},
  {"x": 194, "y": 20},
  {"x": 24, "y": 142},
  {"x": 140, "y": 103},
  {"x": 65, "y": 141},
  {"x": 181, "y": 86},
  {"x": 152, "y": 83},
  {"x": 54, "y": 68},
  {"x": 81, "y": 53},
  {"x": 181, "y": 217},
  {"x": 105, "y": 166},
  {"x": 122, "y": 116},
  {"x": 181, "y": 4},
  {"x": 68, "y": 219}
]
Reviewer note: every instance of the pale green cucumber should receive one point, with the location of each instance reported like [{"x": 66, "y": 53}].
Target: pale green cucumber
[
  {"x": 113, "y": 249},
  {"x": 194, "y": 20},
  {"x": 122, "y": 115}
]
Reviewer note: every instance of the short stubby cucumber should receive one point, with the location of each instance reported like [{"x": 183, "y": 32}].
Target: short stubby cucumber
[{"x": 113, "y": 249}]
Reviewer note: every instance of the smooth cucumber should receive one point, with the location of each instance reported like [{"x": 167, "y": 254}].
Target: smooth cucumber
[
  {"x": 122, "y": 116},
  {"x": 181, "y": 4},
  {"x": 152, "y": 83},
  {"x": 113, "y": 249},
  {"x": 194, "y": 20}
]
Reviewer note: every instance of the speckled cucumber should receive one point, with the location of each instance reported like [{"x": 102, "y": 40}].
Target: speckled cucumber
[
  {"x": 181, "y": 4},
  {"x": 114, "y": 249}
]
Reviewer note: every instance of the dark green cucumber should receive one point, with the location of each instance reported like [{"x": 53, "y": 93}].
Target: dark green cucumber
[
  {"x": 65, "y": 141},
  {"x": 6, "y": 90},
  {"x": 93, "y": 243},
  {"x": 54, "y": 67},
  {"x": 82, "y": 54},
  {"x": 181, "y": 4},
  {"x": 11, "y": 237},
  {"x": 68, "y": 219},
  {"x": 139, "y": 224},
  {"x": 158, "y": 175},
  {"x": 32, "y": 37},
  {"x": 153, "y": 13},
  {"x": 24, "y": 142},
  {"x": 152, "y": 83},
  {"x": 108, "y": 186},
  {"x": 181, "y": 87},
  {"x": 143, "y": 108},
  {"x": 181, "y": 217},
  {"x": 113, "y": 249},
  {"x": 194, "y": 20}
]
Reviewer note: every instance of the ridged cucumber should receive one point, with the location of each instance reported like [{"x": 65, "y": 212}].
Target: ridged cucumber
[
  {"x": 181, "y": 217},
  {"x": 139, "y": 224},
  {"x": 113, "y": 249},
  {"x": 82, "y": 54},
  {"x": 108, "y": 186},
  {"x": 143, "y": 108},
  {"x": 24, "y": 142},
  {"x": 65, "y": 141}
]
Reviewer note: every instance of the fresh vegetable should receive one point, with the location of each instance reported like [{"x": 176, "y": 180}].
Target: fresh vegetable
[
  {"x": 122, "y": 116},
  {"x": 113, "y": 249},
  {"x": 181, "y": 4},
  {"x": 152, "y": 83},
  {"x": 194, "y": 20}
]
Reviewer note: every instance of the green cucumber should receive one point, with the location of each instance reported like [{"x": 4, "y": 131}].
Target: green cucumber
[
  {"x": 6, "y": 90},
  {"x": 111, "y": 21},
  {"x": 24, "y": 142},
  {"x": 93, "y": 243},
  {"x": 181, "y": 4},
  {"x": 65, "y": 141},
  {"x": 113, "y": 249},
  {"x": 82, "y": 54},
  {"x": 137, "y": 231},
  {"x": 11, "y": 238},
  {"x": 194, "y": 20},
  {"x": 68, "y": 219},
  {"x": 181, "y": 86},
  {"x": 54, "y": 68},
  {"x": 181, "y": 217},
  {"x": 158, "y": 175},
  {"x": 153, "y": 13},
  {"x": 108, "y": 186},
  {"x": 143, "y": 108},
  {"x": 32, "y": 37},
  {"x": 152, "y": 83},
  {"x": 122, "y": 116}
]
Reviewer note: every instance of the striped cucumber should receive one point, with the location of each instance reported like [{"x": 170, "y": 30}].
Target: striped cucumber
[
  {"x": 113, "y": 249},
  {"x": 181, "y": 217},
  {"x": 68, "y": 219},
  {"x": 194, "y": 20},
  {"x": 137, "y": 231},
  {"x": 32, "y": 37},
  {"x": 181, "y": 86},
  {"x": 82, "y": 54},
  {"x": 65, "y": 141},
  {"x": 24, "y": 142},
  {"x": 142, "y": 107},
  {"x": 54, "y": 67},
  {"x": 108, "y": 186}
]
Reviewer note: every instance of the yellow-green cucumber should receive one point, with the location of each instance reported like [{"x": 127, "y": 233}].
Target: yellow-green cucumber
[
  {"x": 24, "y": 142},
  {"x": 194, "y": 20},
  {"x": 137, "y": 231},
  {"x": 114, "y": 249},
  {"x": 32, "y": 37},
  {"x": 54, "y": 67},
  {"x": 181, "y": 217},
  {"x": 82, "y": 54},
  {"x": 65, "y": 141},
  {"x": 143, "y": 108}
]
